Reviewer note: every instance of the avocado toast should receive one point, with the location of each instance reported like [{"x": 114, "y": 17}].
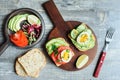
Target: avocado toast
[
  {"x": 82, "y": 37},
  {"x": 60, "y": 52}
]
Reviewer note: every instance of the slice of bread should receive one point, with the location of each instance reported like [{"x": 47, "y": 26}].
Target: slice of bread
[
  {"x": 32, "y": 62},
  {"x": 21, "y": 72},
  {"x": 54, "y": 43},
  {"x": 19, "y": 69},
  {"x": 75, "y": 36},
  {"x": 52, "y": 46}
]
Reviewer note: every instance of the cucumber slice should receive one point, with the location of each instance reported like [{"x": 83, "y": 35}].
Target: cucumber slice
[
  {"x": 81, "y": 27},
  {"x": 74, "y": 33},
  {"x": 32, "y": 19},
  {"x": 76, "y": 44},
  {"x": 91, "y": 44},
  {"x": 88, "y": 31},
  {"x": 92, "y": 41}
]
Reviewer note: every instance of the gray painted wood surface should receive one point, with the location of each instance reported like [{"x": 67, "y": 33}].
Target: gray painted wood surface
[{"x": 98, "y": 14}]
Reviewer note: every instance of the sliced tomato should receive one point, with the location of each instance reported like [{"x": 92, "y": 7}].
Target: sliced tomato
[
  {"x": 24, "y": 39},
  {"x": 57, "y": 57},
  {"x": 57, "y": 61},
  {"x": 15, "y": 36},
  {"x": 19, "y": 44},
  {"x": 53, "y": 57},
  {"x": 19, "y": 39},
  {"x": 61, "y": 48}
]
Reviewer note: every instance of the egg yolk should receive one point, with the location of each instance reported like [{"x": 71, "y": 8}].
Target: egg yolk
[
  {"x": 65, "y": 55},
  {"x": 83, "y": 38}
]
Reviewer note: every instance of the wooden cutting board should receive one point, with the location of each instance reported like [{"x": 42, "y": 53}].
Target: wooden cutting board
[{"x": 62, "y": 29}]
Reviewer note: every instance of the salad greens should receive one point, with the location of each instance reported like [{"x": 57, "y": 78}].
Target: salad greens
[{"x": 28, "y": 23}]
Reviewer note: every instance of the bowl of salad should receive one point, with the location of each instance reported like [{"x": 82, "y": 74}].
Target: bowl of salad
[{"x": 24, "y": 27}]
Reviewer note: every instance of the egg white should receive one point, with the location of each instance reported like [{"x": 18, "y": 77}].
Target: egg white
[
  {"x": 70, "y": 56},
  {"x": 79, "y": 36}
]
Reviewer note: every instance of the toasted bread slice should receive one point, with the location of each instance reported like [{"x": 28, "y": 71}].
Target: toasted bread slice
[
  {"x": 78, "y": 46},
  {"x": 54, "y": 44},
  {"x": 32, "y": 62},
  {"x": 76, "y": 35}
]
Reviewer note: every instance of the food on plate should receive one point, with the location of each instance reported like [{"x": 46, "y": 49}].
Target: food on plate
[
  {"x": 15, "y": 22},
  {"x": 32, "y": 32},
  {"x": 82, "y": 37},
  {"x": 29, "y": 24},
  {"x": 59, "y": 50},
  {"x": 32, "y": 19},
  {"x": 19, "y": 39},
  {"x": 31, "y": 63},
  {"x": 82, "y": 60}
]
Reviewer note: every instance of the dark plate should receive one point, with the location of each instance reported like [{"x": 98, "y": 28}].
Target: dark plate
[
  {"x": 7, "y": 32},
  {"x": 24, "y": 11}
]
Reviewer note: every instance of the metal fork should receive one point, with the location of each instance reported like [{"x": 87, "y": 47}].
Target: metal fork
[{"x": 108, "y": 39}]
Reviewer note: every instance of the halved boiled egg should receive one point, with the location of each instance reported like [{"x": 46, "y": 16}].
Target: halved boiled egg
[
  {"x": 83, "y": 37},
  {"x": 66, "y": 55}
]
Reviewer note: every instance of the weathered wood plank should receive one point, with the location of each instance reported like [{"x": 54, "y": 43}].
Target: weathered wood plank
[{"x": 98, "y": 14}]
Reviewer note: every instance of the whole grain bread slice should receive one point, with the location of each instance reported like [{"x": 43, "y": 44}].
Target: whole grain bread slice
[
  {"x": 21, "y": 72},
  {"x": 32, "y": 62},
  {"x": 19, "y": 69}
]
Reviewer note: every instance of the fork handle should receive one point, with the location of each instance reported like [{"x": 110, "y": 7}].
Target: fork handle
[{"x": 99, "y": 65}]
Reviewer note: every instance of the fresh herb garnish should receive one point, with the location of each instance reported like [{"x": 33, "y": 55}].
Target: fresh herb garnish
[
  {"x": 67, "y": 51},
  {"x": 58, "y": 60},
  {"x": 31, "y": 31}
]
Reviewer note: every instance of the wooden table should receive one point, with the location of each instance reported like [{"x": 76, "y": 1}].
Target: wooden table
[{"x": 98, "y": 14}]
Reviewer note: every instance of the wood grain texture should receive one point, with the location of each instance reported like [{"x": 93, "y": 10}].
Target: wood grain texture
[
  {"x": 62, "y": 29},
  {"x": 98, "y": 14}
]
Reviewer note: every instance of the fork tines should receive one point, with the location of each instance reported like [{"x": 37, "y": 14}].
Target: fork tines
[{"x": 110, "y": 32}]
